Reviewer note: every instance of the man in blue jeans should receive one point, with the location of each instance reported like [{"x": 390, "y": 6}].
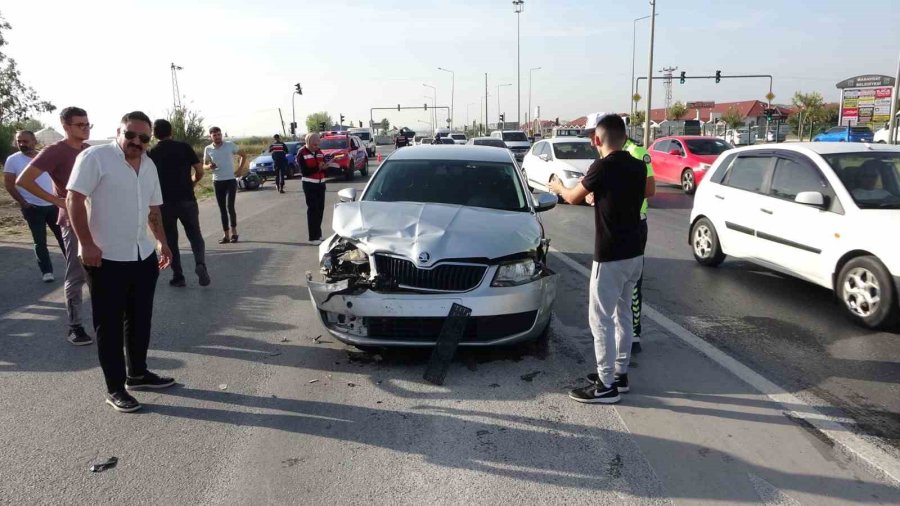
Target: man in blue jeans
[{"x": 38, "y": 213}]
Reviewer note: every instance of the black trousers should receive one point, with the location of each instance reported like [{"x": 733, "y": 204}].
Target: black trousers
[
  {"x": 38, "y": 219},
  {"x": 281, "y": 168},
  {"x": 226, "y": 191},
  {"x": 122, "y": 304},
  {"x": 637, "y": 298},
  {"x": 315, "y": 208},
  {"x": 189, "y": 214}
]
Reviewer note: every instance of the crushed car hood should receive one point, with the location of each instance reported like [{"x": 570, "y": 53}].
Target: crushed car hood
[{"x": 441, "y": 231}]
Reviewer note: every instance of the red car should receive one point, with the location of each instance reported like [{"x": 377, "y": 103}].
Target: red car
[
  {"x": 345, "y": 153},
  {"x": 684, "y": 159}
]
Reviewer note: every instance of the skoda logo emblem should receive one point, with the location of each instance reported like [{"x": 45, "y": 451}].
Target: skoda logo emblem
[{"x": 424, "y": 257}]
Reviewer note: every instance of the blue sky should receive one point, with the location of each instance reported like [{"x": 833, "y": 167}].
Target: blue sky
[{"x": 241, "y": 60}]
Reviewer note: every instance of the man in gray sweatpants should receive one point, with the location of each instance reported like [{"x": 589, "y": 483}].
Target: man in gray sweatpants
[{"x": 618, "y": 182}]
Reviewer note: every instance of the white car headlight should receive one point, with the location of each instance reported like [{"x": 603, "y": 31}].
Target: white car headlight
[
  {"x": 516, "y": 273},
  {"x": 570, "y": 174}
]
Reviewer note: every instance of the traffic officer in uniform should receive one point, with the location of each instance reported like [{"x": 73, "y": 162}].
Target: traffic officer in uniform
[
  {"x": 279, "y": 151},
  {"x": 312, "y": 165}
]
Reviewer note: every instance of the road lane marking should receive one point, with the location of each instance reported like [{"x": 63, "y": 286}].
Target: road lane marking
[{"x": 866, "y": 453}]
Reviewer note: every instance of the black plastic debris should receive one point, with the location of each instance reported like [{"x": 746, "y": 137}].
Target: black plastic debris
[
  {"x": 530, "y": 376},
  {"x": 103, "y": 466},
  {"x": 447, "y": 342}
]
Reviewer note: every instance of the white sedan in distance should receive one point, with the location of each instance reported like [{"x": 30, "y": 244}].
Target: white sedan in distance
[{"x": 564, "y": 158}]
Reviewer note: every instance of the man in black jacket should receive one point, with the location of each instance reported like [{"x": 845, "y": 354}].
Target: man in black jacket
[{"x": 279, "y": 151}]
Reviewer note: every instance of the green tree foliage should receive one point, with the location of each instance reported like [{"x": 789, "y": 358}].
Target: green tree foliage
[
  {"x": 810, "y": 109},
  {"x": 385, "y": 125},
  {"x": 733, "y": 118},
  {"x": 187, "y": 126},
  {"x": 638, "y": 118},
  {"x": 314, "y": 121},
  {"x": 677, "y": 110}
]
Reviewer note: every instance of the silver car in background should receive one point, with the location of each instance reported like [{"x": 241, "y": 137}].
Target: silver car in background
[{"x": 437, "y": 225}]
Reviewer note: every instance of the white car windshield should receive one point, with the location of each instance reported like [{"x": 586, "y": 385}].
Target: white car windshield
[
  {"x": 493, "y": 185},
  {"x": 574, "y": 151},
  {"x": 515, "y": 136},
  {"x": 872, "y": 178}
]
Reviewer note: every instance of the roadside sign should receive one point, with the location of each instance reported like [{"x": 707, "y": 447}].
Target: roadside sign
[
  {"x": 865, "y": 100},
  {"x": 636, "y": 97},
  {"x": 770, "y": 96}
]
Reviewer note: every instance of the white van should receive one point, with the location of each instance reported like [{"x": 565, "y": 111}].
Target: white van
[
  {"x": 515, "y": 140},
  {"x": 368, "y": 140}
]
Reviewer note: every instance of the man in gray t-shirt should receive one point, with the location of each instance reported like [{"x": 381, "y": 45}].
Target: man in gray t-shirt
[{"x": 218, "y": 158}]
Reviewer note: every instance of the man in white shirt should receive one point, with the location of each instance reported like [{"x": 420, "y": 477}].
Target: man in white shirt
[
  {"x": 38, "y": 213},
  {"x": 119, "y": 183}
]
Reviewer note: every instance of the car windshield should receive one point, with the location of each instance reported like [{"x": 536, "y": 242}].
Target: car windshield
[
  {"x": 363, "y": 135},
  {"x": 497, "y": 143},
  {"x": 574, "y": 151},
  {"x": 872, "y": 178},
  {"x": 459, "y": 137},
  {"x": 705, "y": 147},
  {"x": 860, "y": 130},
  {"x": 335, "y": 143},
  {"x": 493, "y": 185},
  {"x": 515, "y": 136}
]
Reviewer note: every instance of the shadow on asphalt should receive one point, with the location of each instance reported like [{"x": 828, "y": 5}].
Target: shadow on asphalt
[{"x": 671, "y": 198}]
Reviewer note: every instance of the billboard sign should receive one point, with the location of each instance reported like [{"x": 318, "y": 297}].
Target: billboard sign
[{"x": 866, "y": 100}]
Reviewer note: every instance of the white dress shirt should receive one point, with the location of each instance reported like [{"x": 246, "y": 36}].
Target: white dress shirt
[{"x": 118, "y": 200}]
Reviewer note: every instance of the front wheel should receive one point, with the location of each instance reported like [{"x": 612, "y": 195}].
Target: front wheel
[
  {"x": 705, "y": 243},
  {"x": 867, "y": 292},
  {"x": 688, "y": 183},
  {"x": 364, "y": 171}
]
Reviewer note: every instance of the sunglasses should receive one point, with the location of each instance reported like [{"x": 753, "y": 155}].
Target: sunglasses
[{"x": 145, "y": 139}]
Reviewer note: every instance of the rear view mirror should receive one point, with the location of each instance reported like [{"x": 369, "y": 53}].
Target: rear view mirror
[
  {"x": 814, "y": 199},
  {"x": 545, "y": 201},
  {"x": 545, "y": 157},
  {"x": 347, "y": 195}
]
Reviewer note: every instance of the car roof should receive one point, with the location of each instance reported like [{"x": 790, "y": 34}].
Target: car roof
[
  {"x": 823, "y": 148},
  {"x": 557, "y": 140},
  {"x": 483, "y": 138},
  {"x": 688, "y": 137},
  {"x": 447, "y": 152}
]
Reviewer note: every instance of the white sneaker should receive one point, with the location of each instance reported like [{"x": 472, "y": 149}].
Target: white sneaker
[
  {"x": 48, "y": 278},
  {"x": 316, "y": 242}
]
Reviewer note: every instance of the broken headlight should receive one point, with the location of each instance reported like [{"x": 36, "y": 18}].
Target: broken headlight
[
  {"x": 345, "y": 261},
  {"x": 516, "y": 273}
]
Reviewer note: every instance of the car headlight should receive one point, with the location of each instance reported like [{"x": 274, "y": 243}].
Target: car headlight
[
  {"x": 515, "y": 273},
  {"x": 571, "y": 174},
  {"x": 340, "y": 155},
  {"x": 704, "y": 166}
]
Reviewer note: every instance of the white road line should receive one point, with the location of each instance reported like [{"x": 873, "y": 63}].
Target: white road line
[{"x": 869, "y": 455}]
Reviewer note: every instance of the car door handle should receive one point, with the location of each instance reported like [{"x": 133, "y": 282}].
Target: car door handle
[
  {"x": 720, "y": 197},
  {"x": 766, "y": 211}
]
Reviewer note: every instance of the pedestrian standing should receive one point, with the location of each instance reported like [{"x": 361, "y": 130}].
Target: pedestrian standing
[
  {"x": 618, "y": 181},
  {"x": 312, "y": 165},
  {"x": 279, "y": 151},
  {"x": 639, "y": 152},
  {"x": 57, "y": 161},
  {"x": 219, "y": 157},
  {"x": 38, "y": 213},
  {"x": 119, "y": 182},
  {"x": 179, "y": 171}
]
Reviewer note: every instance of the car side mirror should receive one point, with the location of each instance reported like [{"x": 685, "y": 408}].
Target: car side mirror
[
  {"x": 545, "y": 201},
  {"x": 814, "y": 199},
  {"x": 545, "y": 157},
  {"x": 347, "y": 195}
]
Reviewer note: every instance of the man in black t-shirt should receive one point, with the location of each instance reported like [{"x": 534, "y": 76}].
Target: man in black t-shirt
[
  {"x": 179, "y": 170},
  {"x": 279, "y": 151},
  {"x": 618, "y": 182}
]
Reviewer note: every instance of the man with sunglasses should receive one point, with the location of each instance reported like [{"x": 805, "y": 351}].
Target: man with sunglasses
[
  {"x": 57, "y": 160},
  {"x": 121, "y": 185}
]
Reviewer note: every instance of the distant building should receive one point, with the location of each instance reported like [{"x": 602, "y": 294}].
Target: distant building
[{"x": 752, "y": 112}]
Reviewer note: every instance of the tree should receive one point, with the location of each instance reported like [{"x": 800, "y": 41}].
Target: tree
[
  {"x": 638, "y": 118},
  {"x": 733, "y": 118},
  {"x": 385, "y": 125},
  {"x": 18, "y": 101},
  {"x": 187, "y": 126},
  {"x": 677, "y": 110},
  {"x": 314, "y": 121},
  {"x": 808, "y": 106}
]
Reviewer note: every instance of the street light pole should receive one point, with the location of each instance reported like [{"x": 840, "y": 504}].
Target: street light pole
[
  {"x": 632, "y": 85},
  {"x": 452, "y": 93},
  {"x": 519, "y": 6},
  {"x": 528, "y": 116},
  {"x": 433, "y": 103},
  {"x": 498, "y": 104},
  {"x": 650, "y": 74}
]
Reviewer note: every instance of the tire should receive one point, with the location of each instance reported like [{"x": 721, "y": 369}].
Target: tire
[
  {"x": 867, "y": 293},
  {"x": 688, "y": 182},
  {"x": 364, "y": 171},
  {"x": 705, "y": 243},
  {"x": 348, "y": 176}
]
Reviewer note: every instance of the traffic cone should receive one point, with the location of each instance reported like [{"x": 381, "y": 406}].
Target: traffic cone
[{"x": 378, "y": 157}]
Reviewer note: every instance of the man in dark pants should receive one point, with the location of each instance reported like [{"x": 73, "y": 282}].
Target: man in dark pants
[
  {"x": 312, "y": 165},
  {"x": 38, "y": 213},
  {"x": 279, "y": 151},
  {"x": 120, "y": 183},
  {"x": 179, "y": 171}
]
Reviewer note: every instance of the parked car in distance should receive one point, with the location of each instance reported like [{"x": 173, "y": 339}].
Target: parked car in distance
[
  {"x": 443, "y": 140},
  {"x": 458, "y": 138},
  {"x": 368, "y": 140},
  {"x": 487, "y": 141},
  {"x": 845, "y": 134},
  {"x": 883, "y": 134},
  {"x": 440, "y": 226},
  {"x": 565, "y": 131},
  {"x": 264, "y": 167},
  {"x": 424, "y": 140},
  {"x": 825, "y": 213},
  {"x": 344, "y": 153},
  {"x": 742, "y": 136},
  {"x": 566, "y": 159},
  {"x": 515, "y": 140},
  {"x": 684, "y": 160}
]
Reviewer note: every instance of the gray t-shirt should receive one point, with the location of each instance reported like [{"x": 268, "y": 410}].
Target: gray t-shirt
[{"x": 223, "y": 157}]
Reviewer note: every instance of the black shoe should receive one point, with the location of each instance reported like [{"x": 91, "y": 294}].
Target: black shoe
[
  {"x": 148, "y": 380},
  {"x": 234, "y": 238},
  {"x": 177, "y": 282},
  {"x": 123, "y": 402},
  {"x": 619, "y": 380},
  {"x": 78, "y": 337},
  {"x": 202, "y": 274},
  {"x": 224, "y": 240},
  {"x": 596, "y": 393}
]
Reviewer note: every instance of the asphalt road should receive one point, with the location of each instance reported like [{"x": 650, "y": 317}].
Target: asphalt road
[{"x": 267, "y": 411}]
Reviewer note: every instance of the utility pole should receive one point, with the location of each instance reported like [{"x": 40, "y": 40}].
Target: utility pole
[
  {"x": 452, "y": 95},
  {"x": 485, "y": 103},
  {"x": 650, "y": 73},
  {"x": 176, "y": 93},
  {"x": 282, "y": 122},
  {"x": 667, "y": 73},
  {"x": 519, "y": 5},
  {"x": 892, "y": 130},
  {"x": 528, "y": 115}
]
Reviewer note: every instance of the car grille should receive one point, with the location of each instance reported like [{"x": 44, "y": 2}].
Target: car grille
[
  {"x": 446, "y": 277},
  {"x": 519, "y": 150},
  {"x": 478, "y": 328}
]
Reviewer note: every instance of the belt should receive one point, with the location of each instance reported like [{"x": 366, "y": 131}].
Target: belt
[{"x": 311, "y": 180}]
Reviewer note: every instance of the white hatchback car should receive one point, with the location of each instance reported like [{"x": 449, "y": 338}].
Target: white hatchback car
[
  {"x": 828, "y": 213},
  {"x": 564, "y": 158}
]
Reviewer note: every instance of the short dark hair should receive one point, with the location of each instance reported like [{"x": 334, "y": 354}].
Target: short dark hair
[
  {"x": 215, "y": 129},
  {"x": 276, "y": 137},
  {"x": 613, "y": 127},
  {"x": 26, "y": 132},
  {"x": 162, "y": 129},
  {"x": 137, "y": 116},
  {"x": 67, "y": 114}
]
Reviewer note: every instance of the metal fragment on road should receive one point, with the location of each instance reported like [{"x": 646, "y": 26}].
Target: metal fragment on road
[
  {"x": 313, "y": 381},
  {"x": 223, "y": 386},
  {"x": 103, "y": 466}
]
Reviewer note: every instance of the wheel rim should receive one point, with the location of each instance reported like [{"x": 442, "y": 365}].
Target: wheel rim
[
  {"x": 862, "y": 293},
  {"x": 687, "y": 180},
  {"x": 703, "y": 242}
]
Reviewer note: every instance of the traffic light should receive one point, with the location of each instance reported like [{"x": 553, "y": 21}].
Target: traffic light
[
  {"x": 360, "y": 124},
  {"x": 293, "y": 127},
  {"x": 718, "y": 75},
  {"x": 426, "y": 106},
  {"x": 769, "y": 113},
  {"x": 682, "y": 77},
  {"x": 557, "y": 121},
  {"x": 502, "y": 117},
  {"x": 298, "y": 89},
  {"x": 342, "y": 120}
]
